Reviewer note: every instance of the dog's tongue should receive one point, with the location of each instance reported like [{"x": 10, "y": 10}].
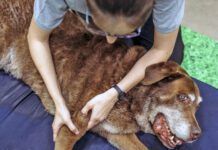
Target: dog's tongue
[{"x": 160, "y": 127}]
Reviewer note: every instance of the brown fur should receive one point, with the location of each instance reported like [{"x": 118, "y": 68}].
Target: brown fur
[{"x": 86, "y": 66}]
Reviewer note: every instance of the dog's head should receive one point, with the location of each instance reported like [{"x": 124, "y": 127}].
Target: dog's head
[{"x": 170, "y": 98}]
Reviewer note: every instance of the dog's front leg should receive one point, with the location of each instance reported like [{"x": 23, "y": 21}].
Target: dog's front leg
[
  {"x": 66, "y": 139},
  {"x": 124, "y": 141}
]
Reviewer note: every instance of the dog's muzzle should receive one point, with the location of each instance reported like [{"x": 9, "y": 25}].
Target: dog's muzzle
[{"x": 162, "y": 130}]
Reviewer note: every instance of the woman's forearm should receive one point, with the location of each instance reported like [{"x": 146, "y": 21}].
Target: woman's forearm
[
  {"x": 42, "y": 58},
  {"x": 136, "y": 74},
  {"x": 161, "y": 51}
]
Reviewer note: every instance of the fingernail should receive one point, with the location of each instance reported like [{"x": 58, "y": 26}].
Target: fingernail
[{"x": 77, "y": 132}]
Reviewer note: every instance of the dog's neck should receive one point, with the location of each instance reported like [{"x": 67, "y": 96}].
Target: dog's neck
[{"x": 140, "y": 107}]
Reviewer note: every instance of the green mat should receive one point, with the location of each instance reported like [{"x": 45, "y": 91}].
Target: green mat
[{"x": 201, "y": 56}]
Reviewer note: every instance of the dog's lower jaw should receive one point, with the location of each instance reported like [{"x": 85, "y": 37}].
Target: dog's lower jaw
[{"x": 144, "y": 124}]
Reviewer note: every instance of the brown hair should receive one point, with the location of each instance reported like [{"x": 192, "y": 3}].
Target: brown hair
[{"x": 137, "y": 9}]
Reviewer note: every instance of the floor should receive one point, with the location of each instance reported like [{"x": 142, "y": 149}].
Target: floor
[
  {"x": 202, "y": 16},
  {"x": 200, "y": 35}
]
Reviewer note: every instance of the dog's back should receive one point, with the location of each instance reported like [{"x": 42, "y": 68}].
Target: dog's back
[{"x": 85, "y": 64}]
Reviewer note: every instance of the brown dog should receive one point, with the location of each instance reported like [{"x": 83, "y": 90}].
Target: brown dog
[{"x": 164, "y": 103}]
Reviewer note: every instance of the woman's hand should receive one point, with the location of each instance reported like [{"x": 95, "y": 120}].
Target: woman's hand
[
  {"x": 62, "y": 116},
  {"x": 100, "y": 105}
]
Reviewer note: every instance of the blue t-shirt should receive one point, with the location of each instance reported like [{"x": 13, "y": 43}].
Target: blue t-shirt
[{"x": 48, "y": 14}]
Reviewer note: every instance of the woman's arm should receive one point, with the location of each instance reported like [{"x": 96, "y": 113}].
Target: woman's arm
[
  {"x": 41, "y": 55},
  {"x": 161, "y": 51},
  {"x": 103, "y": 103},
  {"x": 38, "y": 40}
]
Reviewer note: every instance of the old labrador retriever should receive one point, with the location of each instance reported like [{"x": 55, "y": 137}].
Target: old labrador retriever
[{"x": 164, "y": 103}]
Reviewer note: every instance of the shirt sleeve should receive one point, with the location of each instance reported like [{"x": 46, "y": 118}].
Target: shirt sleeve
[
  {"x": 168, "y": 15},
  {"x": 48, "y": 14}
]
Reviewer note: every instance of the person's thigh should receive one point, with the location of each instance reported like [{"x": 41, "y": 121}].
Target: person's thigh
[
  {"x": 24, "y": 123},
  {"x": 146, "y": 39}
]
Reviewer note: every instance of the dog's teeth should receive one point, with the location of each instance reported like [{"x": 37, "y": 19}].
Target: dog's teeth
[
  {"x": 174, "y": 142},
  {"x": 172, "y": 137},
  {"x": 171, "y": 144},
  {"x": 179, "y": 142},
  {"x": 168, "y": 130}
]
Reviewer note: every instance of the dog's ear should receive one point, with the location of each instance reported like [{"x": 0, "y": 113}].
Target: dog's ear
[{"x": 159, "y": 71}]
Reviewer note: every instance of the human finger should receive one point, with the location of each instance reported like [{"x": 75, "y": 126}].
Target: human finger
[
  {"x": 72, "y": 127},
  {"x": 94, "y": 119},
  {"x": 56, "y": 126},
  {"x": 86, "y": 108}
]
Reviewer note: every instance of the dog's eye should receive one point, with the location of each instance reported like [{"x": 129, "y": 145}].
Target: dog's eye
[{"x": 184, "y": 98}]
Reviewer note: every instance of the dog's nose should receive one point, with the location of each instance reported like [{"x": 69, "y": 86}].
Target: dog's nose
[{"x": 195, "y": 134}]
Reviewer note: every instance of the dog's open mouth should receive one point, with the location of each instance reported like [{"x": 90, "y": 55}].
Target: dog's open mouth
[{"x": 162, "y": 130}]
